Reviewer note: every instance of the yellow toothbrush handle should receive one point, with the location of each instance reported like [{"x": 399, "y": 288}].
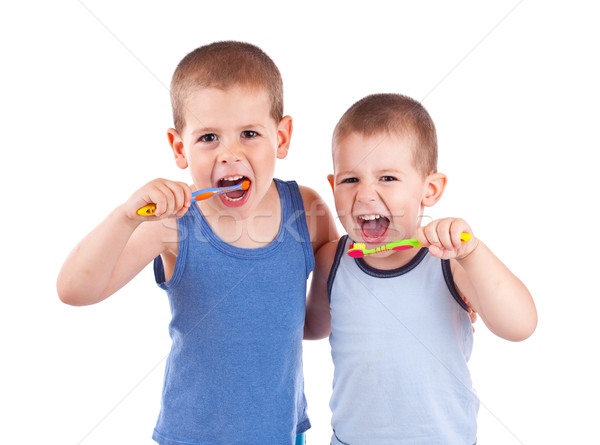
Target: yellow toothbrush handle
[
  {"x": 147, "y": 210},
  {"x": 464, "y": 237}
]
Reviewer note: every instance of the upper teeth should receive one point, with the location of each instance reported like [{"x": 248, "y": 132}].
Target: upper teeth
[
  {"x": 368, "y": 217},
  {"x": 232, "y": 178}
]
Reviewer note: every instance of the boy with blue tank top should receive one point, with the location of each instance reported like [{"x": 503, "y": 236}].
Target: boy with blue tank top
[
  {"x": 234, "y": 266},
  {"x": 398, "y": 320}
]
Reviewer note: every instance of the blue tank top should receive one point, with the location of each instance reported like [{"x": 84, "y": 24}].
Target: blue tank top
[
  {"x": 400, "y": 342},
  {"x": 234, "y": 372}
]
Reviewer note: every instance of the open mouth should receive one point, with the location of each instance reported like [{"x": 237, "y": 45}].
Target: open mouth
[
  {"x": 236, "y": 196},
  {"x": 373, "y": 228}
]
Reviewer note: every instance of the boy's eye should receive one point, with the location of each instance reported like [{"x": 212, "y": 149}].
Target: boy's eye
[
  {"x": 249, "y": 134},
  {"x": 209, "y": 137},
  {"x": 388, "y": 178},
  {"x": 349, "y": 180}
]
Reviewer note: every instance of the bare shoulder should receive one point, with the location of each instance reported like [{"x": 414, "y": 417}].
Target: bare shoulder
[
  {"x": 309, "y": 196},
  {"x": 319, "y": 219},
  {"x": 327, "y": 251},
  {"x": 324, "y": 258}
]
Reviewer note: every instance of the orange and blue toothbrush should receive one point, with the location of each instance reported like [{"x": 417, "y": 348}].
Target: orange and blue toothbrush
[
  {"x": 359, "y": 250},
  {"x": 200, "y": 195}
]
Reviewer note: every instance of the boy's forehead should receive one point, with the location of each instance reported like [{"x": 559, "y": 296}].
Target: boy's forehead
[
  {"x": 235, "y": 92},
  {"x": 206, "y": 105},
  {"x": 358, "y": 149}
]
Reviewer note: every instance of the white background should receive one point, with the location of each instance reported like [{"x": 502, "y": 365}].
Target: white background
[{"x": 512, "y": 87}]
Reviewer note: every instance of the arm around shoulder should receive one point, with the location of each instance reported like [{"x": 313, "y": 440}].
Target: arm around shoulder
[
  {"x": 319, "y": 219},
  {"x": 317, "y": 323}
]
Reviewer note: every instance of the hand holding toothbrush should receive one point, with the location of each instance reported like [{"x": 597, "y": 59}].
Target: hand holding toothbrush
[
  {"x": 445, "y": 239},
  {"x": 166, "y": 198}
]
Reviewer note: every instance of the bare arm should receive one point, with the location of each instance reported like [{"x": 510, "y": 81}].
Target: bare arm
[
  {"x": 319, "y": 220},
  {"x": 323, "y": 232},
  {"x": 122, "y": 245},
  {"x": 501, "y": 299},
  {"x": 317, "y": 324},
  {"x": 496, "y": 294}
]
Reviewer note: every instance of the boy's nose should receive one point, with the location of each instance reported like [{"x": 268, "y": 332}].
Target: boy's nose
[
  {"x": 366, "y": 192},
  {"x": 230, "y": 153}
]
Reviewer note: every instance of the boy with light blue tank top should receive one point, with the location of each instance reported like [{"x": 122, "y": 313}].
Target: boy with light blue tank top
[
  {"x": 400, "y": 321},
  {"x": 234, "y": 266}
]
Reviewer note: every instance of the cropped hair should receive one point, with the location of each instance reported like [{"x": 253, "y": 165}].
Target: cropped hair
[
  {"x": 393, "y": 114},
  {"x": 224, "y": 65}
]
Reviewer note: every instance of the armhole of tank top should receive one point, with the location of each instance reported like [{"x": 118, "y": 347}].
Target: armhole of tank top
[
  {"x": 341, "y": 247},
  {"x": 299, "y": 213},
  {"x": 159, "y": 268},
  {"x": 447, "y": 271}
]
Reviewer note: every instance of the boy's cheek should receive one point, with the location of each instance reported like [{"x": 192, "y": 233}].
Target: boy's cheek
[
  {"x": 342, "y": 211},
  {"x": 346, "y": 220}
]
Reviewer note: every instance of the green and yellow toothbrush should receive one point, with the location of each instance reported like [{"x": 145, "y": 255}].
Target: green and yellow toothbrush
[{"x": 359, "y": 250}]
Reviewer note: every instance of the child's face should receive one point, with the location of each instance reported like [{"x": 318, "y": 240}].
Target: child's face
[
  {"x": 230, "y": 136},
  {"x": 378, "y": 191}
]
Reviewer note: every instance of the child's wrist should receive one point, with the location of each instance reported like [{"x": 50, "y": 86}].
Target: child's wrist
[
  {"x": 469, "y": 255},
  {"x": 121, "y": 216}
]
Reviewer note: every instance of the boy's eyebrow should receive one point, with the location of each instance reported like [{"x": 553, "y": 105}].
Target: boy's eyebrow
[
  {"x": 345, "y": 172},
  {"x": 203, "y": 130},
  {"x": 253, "y": 126},
  {"x": 390, "y": 170},
  {"x": 379, "y": 172}
]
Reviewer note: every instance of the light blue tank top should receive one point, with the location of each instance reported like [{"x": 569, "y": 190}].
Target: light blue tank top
[
  {"x": 400, "y": 342},
  {"x": 234, "y": 373}
]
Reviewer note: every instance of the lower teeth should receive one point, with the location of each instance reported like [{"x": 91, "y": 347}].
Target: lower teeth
[{"x": 233, "y": 199}]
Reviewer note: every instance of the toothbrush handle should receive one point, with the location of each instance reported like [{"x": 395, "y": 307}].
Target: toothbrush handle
[
  {"x": 149, "y": 209},
  {"x": 464, "y": 237},
  {"x": 205, "y": 194},
  {"x": 209, "y": 193},
  {"x": 198, "y": 195}
]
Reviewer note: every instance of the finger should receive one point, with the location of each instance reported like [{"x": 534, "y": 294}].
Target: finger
[
  {"x": 436, "y": 251},
  {"x": 164, "y": 199},
  {"x": 473, "y": 316},
  {"x": 459, "y": 227},
  {"x": 443, "y": 234},
  {"x": 187, "y": 193},
  {"x": 430, "y": 233},
  {"x": 421, "y": 237},
  {"x": 184, "y": 197},
  {"x": 179, "y": 196}
]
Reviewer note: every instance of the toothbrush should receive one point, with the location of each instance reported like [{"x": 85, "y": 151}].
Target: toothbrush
[
  {"x": 359, "y": 250},
  {"x": 200, "y": 195}
]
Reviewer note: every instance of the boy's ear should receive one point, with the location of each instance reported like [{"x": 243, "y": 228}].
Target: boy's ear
[
  {"x": 434, "y": 188},
  {"x": 176, "y": 144},
  {"x": 330, "y": 179},
  {"x": 284, "y": 135}
]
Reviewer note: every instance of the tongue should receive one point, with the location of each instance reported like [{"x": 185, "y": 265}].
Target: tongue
[
  {"x": 374, "y": 228},
  {"x": 236, "y": 194}
]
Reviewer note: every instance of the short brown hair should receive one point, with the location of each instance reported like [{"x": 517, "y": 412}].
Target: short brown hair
[
  {"x": 393, "y": 114},
  {"x": 223, "y": 65}
]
